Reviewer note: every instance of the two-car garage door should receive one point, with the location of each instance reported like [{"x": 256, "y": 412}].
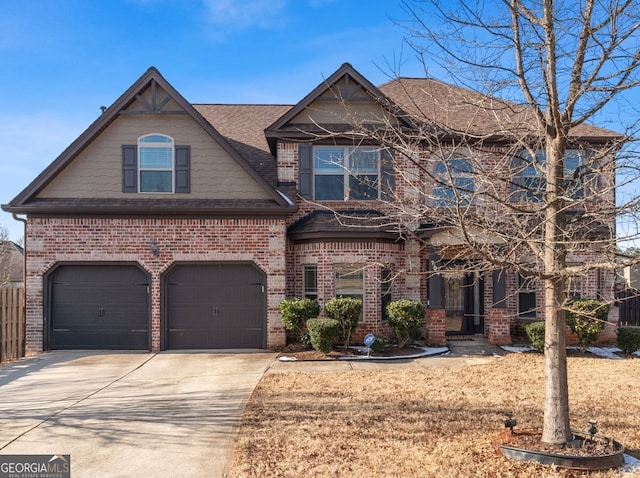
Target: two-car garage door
[{"x": 204, "y": 306}]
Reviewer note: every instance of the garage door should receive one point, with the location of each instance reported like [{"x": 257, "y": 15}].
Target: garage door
[
  {"x": 213, "y": 306},
  {"x": 99, "y": 307}
]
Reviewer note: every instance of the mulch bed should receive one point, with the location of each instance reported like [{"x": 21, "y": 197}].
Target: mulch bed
[
  {"x": 299, "y": 352},
  {"x": 532, "y": 440}
]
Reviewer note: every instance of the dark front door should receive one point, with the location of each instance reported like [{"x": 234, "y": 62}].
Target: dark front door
[
  {"x": 213, "y": 306},
  {"x": 99, "y": 307},
  {"x": 463, "y": 303}
]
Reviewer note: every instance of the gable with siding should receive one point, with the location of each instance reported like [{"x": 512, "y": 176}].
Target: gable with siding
[{"x": 98, "y": 172}]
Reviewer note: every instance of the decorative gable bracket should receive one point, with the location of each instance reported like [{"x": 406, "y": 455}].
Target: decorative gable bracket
[{"x": 151, "y": 105}]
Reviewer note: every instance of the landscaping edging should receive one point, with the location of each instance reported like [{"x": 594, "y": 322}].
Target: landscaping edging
[{"x": 602, "y": 461}]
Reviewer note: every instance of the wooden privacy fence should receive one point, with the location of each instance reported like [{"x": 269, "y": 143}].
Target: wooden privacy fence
[
  {"x": 11, "y": 323},
  {"x": 629, "y": 306}
]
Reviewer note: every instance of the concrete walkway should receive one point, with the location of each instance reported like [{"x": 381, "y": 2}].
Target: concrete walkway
[{"x": 129, "y": 414}]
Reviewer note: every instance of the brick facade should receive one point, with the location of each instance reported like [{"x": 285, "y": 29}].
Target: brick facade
[
  {"x": 53, "y": 241},
  {"x": 241, "y": 164}
]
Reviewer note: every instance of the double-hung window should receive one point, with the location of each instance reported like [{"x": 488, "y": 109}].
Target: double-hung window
[
  {"x": 156, "y": 163},
  {"x": 349, "y": 281},
  {"x": 574, "y": 286},
  {"x": 526, "y": 297},
  {"x": 310, "y": 281},
  {"x": 346, "y": 172},
  {"x": 529, "y": 182},
  {"x": 454, "y": 183}
]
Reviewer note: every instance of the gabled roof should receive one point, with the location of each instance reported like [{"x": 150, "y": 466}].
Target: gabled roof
[
  {"x": 243, "y": 127},
  {"x": 150, "y": 79},
  {"x": 464, "y": 111},
  {"x": 346, "y": 73}
]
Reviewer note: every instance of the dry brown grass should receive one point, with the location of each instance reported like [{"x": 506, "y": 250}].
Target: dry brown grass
[{"x": 432, "y": 422}]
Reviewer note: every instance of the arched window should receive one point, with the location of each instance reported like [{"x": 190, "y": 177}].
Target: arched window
[
  {"x": 156, "y": 163},
  {"x": 453, "y": 182}
]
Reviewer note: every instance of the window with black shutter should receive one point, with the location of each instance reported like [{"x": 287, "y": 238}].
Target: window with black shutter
[{"x": 156, "y": 165}]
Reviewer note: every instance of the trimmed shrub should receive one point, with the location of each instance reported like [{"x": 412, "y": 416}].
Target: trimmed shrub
[
  {"x": 347, "y": 311},
  {"x": 535, "y": 332},
  {"x": 629, "y": 339},
  {"x": 586, "y": 318},
  {"x": 322, "y": 333},
  {"x": 405, "y": 317},
  {"x": 380, "y": 345},
  {"x": 295, "y": 313}
]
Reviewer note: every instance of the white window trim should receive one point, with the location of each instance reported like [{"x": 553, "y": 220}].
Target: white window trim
[
  {"x": 172, "y": 169},
  {"x": 454, "y": 195},
  {"x": 304, "y": 280},
  {"x": 346, "y": 172},
  {"x": 351, "y": 292},
  {"x": 534, "y": 171}
]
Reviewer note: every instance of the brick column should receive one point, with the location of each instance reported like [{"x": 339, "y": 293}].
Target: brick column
[
  {"x": 499, "y": 326},
  {"x": 435, "y": 327}
]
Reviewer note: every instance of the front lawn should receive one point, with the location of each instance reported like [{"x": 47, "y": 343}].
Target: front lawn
[{"x": 431, "y": 422}]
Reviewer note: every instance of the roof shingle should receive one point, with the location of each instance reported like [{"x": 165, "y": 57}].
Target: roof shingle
[
  {"x": 243, "y": 126},
  {"x": 465, "y": 111}
]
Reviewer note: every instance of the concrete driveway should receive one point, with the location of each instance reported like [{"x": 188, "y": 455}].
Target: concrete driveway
[{"x": 122, "y": 414}]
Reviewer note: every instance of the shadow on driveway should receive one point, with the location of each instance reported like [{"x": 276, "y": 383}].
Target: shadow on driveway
[{"x": 129, "y": 414}]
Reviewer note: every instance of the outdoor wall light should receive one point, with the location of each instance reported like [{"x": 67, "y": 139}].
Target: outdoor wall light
[{"x": 153, "y": 245}]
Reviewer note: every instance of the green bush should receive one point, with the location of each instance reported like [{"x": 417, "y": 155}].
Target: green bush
[
  {"x": 322, "y": 333},
  {"x": 347, "y": 311},
  {"x": 380, "y": 345},
  {"x": 586, "y": 318},
  {"x": 535, "y": 332},
  {"x": 405, "y": 317},
  {"x": 295, "y": 313},
  {"x": 629, "y": 339}
]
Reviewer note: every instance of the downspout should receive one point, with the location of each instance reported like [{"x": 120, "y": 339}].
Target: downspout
[{"x": 24, "y": 282}]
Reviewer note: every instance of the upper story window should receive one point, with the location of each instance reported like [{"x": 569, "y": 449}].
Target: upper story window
[
  {"x": 348, "y": 172},
  {"x": 529, "y": 181},
  {"x": 454, "y": 183},
  {"x": 156, "y": 164}
]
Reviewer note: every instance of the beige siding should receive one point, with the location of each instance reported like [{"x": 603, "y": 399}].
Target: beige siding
[
  {"x": 97, "y": 171},
  {"x": 336, "y": 112}
]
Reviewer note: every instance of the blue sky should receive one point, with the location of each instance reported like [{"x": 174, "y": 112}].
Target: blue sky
[{"x": 61, "y": 60}]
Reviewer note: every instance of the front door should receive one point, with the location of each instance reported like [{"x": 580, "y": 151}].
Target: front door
[{"x": 463, "y": 302}]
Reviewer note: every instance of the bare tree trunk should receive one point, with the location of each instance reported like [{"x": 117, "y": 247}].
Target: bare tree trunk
[{"x": 556, "y": 428}]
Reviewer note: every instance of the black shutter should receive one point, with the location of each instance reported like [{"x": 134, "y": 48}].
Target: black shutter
[
  {"x": 435, "y": 284},
  {"x": 129, "y": 168},
  {"x": 387, "y": 175},
  {"x": 305, "y": 171},
  {"x": 499, "y": 289},
  {"x": 183, "y": 175}
]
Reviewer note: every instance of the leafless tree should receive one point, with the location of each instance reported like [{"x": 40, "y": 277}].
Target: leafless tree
[
  {"x": 559, "y": 65},
  {"x": 524, "y": 182}
]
